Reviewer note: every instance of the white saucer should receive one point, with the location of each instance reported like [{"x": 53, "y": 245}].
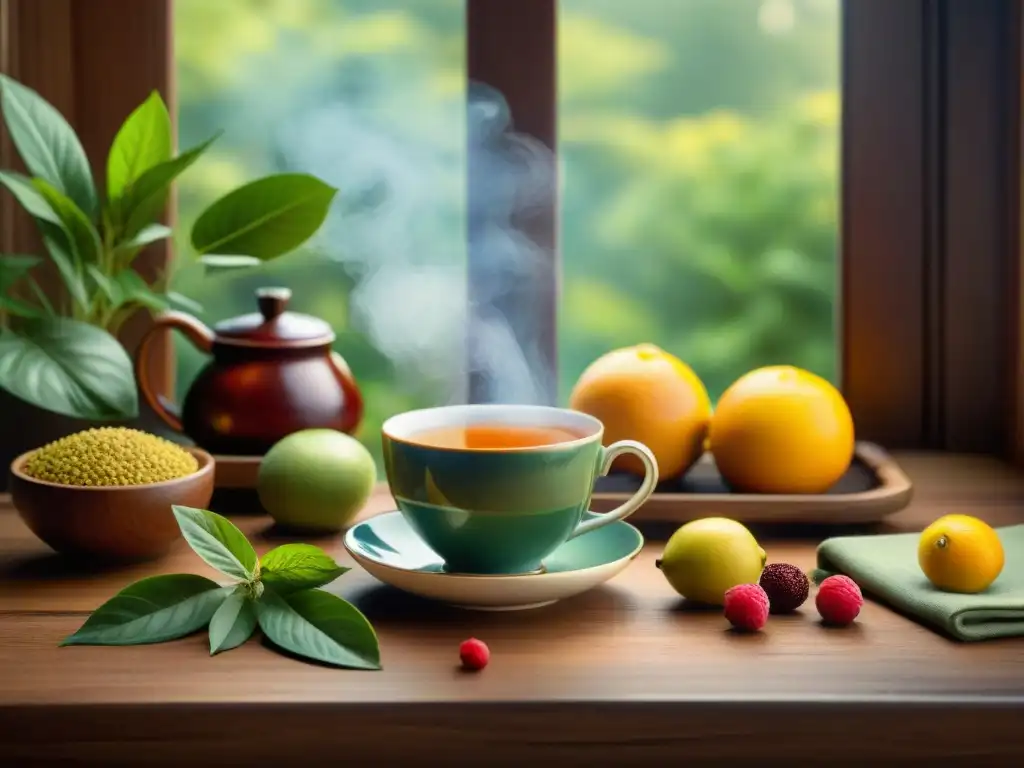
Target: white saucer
[{"x": 390, "y": 551}]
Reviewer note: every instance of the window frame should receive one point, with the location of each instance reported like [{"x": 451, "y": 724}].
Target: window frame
[{"x": 930, "y": 320}]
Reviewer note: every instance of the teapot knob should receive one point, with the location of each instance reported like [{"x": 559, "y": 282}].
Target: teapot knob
[{"x": 272, "y": 301}]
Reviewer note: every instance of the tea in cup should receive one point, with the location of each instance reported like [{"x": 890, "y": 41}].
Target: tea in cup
[{"x": 495, "y": 489}]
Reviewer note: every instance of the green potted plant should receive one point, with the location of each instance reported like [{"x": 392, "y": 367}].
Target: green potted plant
[{"x": 61, "y": 354}]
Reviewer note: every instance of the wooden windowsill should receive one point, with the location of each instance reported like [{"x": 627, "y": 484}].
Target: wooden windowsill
[{"x": 617, "y": 675}]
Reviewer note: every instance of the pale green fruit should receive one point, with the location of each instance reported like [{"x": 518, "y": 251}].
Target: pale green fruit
[
  {"x": 316, "y": 479},
  {"x": 706, "y": 557}
]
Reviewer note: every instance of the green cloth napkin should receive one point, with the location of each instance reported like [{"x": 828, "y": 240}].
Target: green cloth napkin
[{"x": 885, "y": 566}]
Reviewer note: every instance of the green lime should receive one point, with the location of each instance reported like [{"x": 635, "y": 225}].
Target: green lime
[{"x": 316, "y": 479}]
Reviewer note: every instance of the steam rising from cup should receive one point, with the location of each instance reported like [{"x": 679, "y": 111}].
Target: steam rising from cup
[{"x": 437, "y": 242}]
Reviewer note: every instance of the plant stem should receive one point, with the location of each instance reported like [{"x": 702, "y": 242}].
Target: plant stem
[
  {"x": 107, "y": 249},
  {"x": 41, "y": 296},
  {"x": 117, "y": 318},
  {"x": 100, "y": 312}
]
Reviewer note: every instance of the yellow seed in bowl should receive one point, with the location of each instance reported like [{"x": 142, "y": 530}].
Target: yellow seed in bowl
[{"x": 110, "y": 456}]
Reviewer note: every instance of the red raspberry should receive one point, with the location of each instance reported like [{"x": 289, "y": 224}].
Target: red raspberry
[
  {"x": 839, "y": 600},
  {"x": 474, "y": 654},
  {"x": 746, "y": 607}
]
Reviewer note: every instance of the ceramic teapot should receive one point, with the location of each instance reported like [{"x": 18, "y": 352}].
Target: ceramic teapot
[{"x": 272, "y": 373}]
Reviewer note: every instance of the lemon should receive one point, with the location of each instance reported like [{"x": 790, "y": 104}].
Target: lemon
[
  {"x": 706, "y": 557},
  {"x": 960, "y": 553}
]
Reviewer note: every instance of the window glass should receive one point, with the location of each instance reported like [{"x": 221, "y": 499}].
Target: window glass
[
  {"x": 700, "y": 145},
  {"x": 369, "y": 95},
  {"x": 699, "y": 142}
]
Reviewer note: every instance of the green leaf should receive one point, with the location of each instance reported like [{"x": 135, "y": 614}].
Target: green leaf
[
  {"x": 292, "y": 567},
  {"x": 143, "y": 141},
  {"x": 184, "y": 302},
  {"x": 107, "y": 286},
  {"x": 319, "y": 626},
  {"x": 47, "y": 144},
  {"x": 213, "y": 263},
  {"x": 233, "y": 623},
  {"x": 144, "y": 202},
  {"x": 264, "y": 218},
  {"x": 146, "y": 236},
  {"x": 69, "y": 367},
  {"x": 55, "y": 241},
  {"x": 28, "y": 197},
  {"x": 13, "y": 268},
  {"x": 134, "y": 288},
  {"x": 153, "y": 610},
  {"x": 818, "y": 575},
  {"x": 20, "y": 308},
  {"x": 126, "y": 287},
  {"x": 81, "y": 234},
  {"x": 217, "y": 541},
  {"x": 40, "y": 295}
]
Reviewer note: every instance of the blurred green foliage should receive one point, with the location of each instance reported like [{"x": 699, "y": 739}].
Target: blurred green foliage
[{"x": 699, "y": 142}]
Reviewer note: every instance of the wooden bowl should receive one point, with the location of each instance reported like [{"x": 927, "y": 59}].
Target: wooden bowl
[{"x": 124, "y": 523}]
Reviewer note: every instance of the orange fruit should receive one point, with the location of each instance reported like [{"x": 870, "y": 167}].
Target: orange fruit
[
  {"x": 644, "y": 393},
  {"x": 960, "y": 553},
  {"x": 781, "y": 429}
]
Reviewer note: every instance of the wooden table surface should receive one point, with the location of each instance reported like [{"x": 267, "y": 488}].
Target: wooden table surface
[{"x": 620, "y": 675}]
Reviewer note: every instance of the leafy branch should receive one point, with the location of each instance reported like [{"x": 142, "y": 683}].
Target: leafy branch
[
  {"x": 92, "y": 237},
  {"x": 279, "y": 594}
]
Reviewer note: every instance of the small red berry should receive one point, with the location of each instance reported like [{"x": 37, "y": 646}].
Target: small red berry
[
  {"x": 474, "y": 654},
  {"x": 746, "y": 607},
  {"x": 839, "y": 600}
]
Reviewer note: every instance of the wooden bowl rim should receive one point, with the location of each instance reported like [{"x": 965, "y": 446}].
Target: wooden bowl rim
[{"x": 206, "y": 465}]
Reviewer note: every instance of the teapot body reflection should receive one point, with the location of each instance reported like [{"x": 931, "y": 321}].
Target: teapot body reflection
[{"x": 271, "y": 373}]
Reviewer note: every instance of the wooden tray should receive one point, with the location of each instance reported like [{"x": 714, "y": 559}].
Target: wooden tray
[
  {"x": 236, "y": 472},
  {"x": 873, "y": 487},
  {"x": 234, "y": 483}
]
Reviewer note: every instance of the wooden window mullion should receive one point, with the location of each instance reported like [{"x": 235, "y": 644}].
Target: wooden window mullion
[
  {"x": 511, "y": 47},
  {"x": 883, "y": 273}
]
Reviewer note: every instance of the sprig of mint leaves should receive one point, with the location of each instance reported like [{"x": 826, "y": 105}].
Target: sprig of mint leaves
[{"x": 279, "y": 593}]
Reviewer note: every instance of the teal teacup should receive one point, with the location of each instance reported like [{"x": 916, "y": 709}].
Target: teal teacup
[{"x": 494, "y": 489}]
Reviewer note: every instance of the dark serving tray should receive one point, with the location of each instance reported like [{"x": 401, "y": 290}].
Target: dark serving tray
[{"x": 873, "y": 487}]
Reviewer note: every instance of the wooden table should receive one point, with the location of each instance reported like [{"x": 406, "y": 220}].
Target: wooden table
[{"x": 621, "y": 675}]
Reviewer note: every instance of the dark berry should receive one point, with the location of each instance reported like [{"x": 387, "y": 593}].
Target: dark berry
[{"x": 786, "y": 585}]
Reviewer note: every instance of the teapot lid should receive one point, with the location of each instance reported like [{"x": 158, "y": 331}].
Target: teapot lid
[{"x": 273, "y": 326}]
